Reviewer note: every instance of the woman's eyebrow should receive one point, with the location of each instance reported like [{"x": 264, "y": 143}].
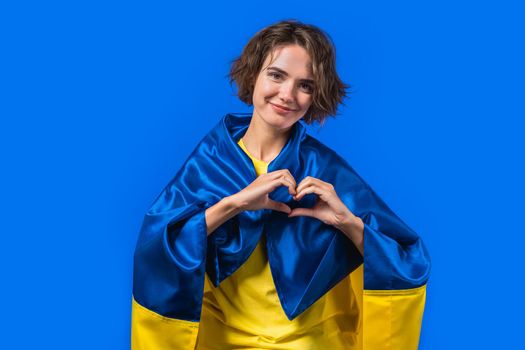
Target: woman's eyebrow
[{"x": 286, "y": 74}]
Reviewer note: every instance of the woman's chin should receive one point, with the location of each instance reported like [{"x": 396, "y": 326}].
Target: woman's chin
[
  {"x": 276, "y": 120},
  {"x": 280, "y": 121}
]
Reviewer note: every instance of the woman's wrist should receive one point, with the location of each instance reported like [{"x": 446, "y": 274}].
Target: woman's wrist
[
  {"x": 221, "y": 212},
  {"x": 233, "y": 202},
  {"x": 353, "y": 228}
]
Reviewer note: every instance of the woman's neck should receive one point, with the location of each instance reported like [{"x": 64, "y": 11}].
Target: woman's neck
[{"x": 264, "y": 142}]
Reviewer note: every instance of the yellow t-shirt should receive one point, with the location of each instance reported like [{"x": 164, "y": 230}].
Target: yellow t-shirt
[{"x": 244, "y": 310}]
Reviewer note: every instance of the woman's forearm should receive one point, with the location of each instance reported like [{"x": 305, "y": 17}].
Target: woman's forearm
[
  {"x": 221, "y": 212},
  {"x": 353, "y": 227}
]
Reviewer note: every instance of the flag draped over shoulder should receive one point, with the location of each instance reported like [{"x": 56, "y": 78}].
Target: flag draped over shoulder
[{"x": 307, "y": 257}]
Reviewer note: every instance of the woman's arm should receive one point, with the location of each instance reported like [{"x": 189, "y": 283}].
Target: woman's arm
[
  {"x": 221, "y": 212},
  {"x": 330, "y": 209},
  {"x": 252, "y": 197},
  {"x": 353, "y": 228}
]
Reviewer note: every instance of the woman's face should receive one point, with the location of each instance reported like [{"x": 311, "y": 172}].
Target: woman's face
[{"x": 283, "y": 89}]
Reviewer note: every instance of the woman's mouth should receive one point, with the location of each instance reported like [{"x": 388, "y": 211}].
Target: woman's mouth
[{"x": 281, "y": 109}]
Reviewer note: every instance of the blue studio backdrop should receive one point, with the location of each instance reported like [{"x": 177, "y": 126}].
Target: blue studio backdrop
[{"x": 101, "y": 102}]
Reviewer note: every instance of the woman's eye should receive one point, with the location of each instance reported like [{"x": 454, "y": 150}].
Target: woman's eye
[
  {"x": 307, "y": 87},
  {"x": 274, "y": 75}
]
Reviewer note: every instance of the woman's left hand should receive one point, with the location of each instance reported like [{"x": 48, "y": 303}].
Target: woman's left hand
[{"x": 329, "y": 209}]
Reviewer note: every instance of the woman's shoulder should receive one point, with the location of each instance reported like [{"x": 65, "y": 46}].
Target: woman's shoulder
[
  {"x": 328, "y": 160},
  {"x": 313, "y": 147}
]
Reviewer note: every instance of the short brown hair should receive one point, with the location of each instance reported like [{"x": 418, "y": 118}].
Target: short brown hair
[{"x": 329, "y": 90}]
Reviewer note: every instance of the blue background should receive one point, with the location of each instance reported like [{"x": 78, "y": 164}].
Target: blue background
[{"x": 101, "y": 102}]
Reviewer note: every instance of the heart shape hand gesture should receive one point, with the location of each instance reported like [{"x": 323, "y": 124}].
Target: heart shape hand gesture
[{"x": 328, "y": 206}]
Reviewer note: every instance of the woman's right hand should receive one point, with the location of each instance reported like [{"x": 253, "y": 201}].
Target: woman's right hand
[{"x": 255, "y": 195}]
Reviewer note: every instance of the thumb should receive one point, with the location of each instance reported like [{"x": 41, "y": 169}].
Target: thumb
[
  {"x": 301, "y": 212},
  {"x": 279, "y": 206}
]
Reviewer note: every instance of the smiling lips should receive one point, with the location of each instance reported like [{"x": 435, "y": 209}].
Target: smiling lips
[{"x": 281, "y": 109}]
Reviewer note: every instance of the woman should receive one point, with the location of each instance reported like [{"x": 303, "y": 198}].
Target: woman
[{"x": 259, "y": 240}]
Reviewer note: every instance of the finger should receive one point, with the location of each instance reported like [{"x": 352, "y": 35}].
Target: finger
[
  {"x": 286, "y": 173},
  {"x": 302, "y": 212},
  {"x": 290, "y": 176},
  {"x": 312, "y": 188},
  {"x": 279, "y": 206},
  {"x": 290, "y": 183},
  {"x": 281, "y": 171},
  {"x": 307, "y": 181},
  {"x": 282, "y": 182},
  {"x": 278, "y": 173}
]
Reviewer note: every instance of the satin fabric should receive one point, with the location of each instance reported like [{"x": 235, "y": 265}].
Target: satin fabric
[
  {"x": 244, "y": 310},
  {"x": 151, "y": 331},
  {"x": 392, "y": 318},
  {"x": 306, "y": 257}
]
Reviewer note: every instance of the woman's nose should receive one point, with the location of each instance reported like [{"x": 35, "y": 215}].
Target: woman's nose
[{"x": 286, "y": 93}]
